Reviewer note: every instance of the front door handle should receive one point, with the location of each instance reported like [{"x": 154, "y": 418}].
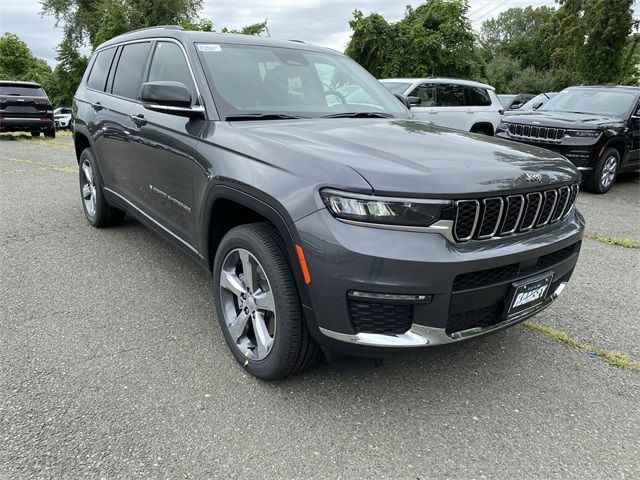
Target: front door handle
[
  {"x": 138, "y": 119},
  {"x": 97, "y": 106}
]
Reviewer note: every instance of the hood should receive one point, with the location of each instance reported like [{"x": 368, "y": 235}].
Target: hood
[
  {"x": 563, "y": 120},
  {"x": 411, "y": 157}
]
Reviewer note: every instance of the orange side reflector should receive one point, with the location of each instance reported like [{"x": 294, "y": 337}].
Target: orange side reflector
[
  {"x": 601, "y": 150},
  {"x": 303, "y": 265}
]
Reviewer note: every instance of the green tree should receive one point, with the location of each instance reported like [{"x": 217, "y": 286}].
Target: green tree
[{"x": 433, "y": 39}]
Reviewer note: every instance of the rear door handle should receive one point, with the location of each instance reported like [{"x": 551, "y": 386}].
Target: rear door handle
[
  {"x": 138, "y": 119},
  {"x": 97, "y": 106}
]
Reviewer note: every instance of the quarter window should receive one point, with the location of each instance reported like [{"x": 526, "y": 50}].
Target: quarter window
[
  {"x": 450, "y": 95},
  {"x": 476, "y": 97},
  {"x": 169, "y": 64},
  {"x": 98, "y": 76},
  {"x": 131, "y": 65},
  {"x": 427, "y": 93}
]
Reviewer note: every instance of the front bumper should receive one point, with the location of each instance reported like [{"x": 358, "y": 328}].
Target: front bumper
[{"x": 344, "y": 258}]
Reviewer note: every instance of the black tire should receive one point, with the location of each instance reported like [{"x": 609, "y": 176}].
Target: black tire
[
  {"x": 35, "y": 134},
  {"x": 50, "y": 133},
  {"x": 293, "y": 349},
  {"x": 103, "y": 215},
  {"x": 602, "y": 179}
]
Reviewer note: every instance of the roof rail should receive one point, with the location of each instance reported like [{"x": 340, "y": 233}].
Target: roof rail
[
  {"x": 166, "y": 27},
  {"x": 297, "y": 41}
]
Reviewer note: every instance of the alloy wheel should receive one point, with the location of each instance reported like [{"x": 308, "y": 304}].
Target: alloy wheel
[
  {"x": 248, "y": 304},
  {"x": 88, "y": 188},
  {"x": 609, "y": 171}
]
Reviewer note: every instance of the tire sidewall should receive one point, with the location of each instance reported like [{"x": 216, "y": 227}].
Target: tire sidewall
[
  {"x": 101, "y": 204},
  {"x": 601, "y": 164},
  {"x": 287, "y": 313}
]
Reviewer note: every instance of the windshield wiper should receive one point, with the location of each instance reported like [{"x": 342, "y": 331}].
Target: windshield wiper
[
  {"x": 359, "y": 115},
  {"x": 261, "y": 116}
]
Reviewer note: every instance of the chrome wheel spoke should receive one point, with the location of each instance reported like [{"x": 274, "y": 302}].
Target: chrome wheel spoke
[
  {"x": 263, "y": 339},
  {"x": 248, "y": 270},
  {"x": 86, "y": 192},
  {"x": 232, "y": 282},
  {"x": 264, "y": 301},
  {"x": 239, "y": 325},
  {"x": 88, "y": 173}
]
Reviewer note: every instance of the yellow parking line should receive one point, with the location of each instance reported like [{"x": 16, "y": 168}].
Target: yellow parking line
[{"x": 48, "y": 166}]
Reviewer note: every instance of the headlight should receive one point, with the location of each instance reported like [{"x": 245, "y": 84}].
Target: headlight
[
  {"x": 383, "y": 210},
  {"x": 503, "y": 126},
  {"x": 582, "y": 133}
]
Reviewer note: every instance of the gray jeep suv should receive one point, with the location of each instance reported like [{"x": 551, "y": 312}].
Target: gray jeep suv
[{"x": 329, "y": 224}]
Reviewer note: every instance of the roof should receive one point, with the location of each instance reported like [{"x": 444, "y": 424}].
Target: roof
[
  {"x": 609, "y": 87},
  {"x": 190, "y": 36},
  {"x": 460, "y": 81},
  {"x": 17, "y": 82}
]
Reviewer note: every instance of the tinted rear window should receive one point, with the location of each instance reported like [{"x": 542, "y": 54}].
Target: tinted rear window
[
  {"x": 100, "y": 70},
  {"x": 22, "y": 90},
  {"x": 450, "y": 95},
  {"x": 476, "y": 97},
  {"x": 130, "y": 70}
]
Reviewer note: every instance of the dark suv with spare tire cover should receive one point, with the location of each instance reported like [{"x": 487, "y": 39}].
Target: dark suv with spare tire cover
[
  {"x": 596, "y": 127},
  {"x": 25, "y": 107},
  {"x": 329, "y": 225}
]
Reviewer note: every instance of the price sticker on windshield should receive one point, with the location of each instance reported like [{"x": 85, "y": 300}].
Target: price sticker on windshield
[{"x": 209, "y": 47}]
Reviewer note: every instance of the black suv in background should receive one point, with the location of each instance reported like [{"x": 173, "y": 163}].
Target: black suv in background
[
  {"x": 327, "y": 221},
  {"x": 25, "y": 107},
  {"x": 596, "y": 127}
]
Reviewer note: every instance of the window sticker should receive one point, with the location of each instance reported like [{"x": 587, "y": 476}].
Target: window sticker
[{"x": 209, "y": 47}]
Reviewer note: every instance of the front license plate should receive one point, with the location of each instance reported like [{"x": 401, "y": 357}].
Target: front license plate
[{"x": 528, "y": 294}]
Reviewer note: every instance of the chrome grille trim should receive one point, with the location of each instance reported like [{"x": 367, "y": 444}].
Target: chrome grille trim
[
  {"x": 543, "y": 221},
  {"x": 573, "y": 195},
  {"x": 560, "y": 208},
  {"x": 530, "y": 196},
  {"x": 517, "y": 222},
  {"x": 475, "y": 221},
  {"x": 497, "y": 224},
  {"x": 536, "y": 133}
]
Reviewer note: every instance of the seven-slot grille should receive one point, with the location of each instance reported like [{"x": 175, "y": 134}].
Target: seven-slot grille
[
  {"x": 501, "y": 216},
  {"x": 536, "y": 133}
]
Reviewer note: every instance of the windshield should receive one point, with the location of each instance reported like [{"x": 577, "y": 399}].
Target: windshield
[
  {"x": 21, "y": 90},
  {"x": 396, "y": 87},
  {"x": 541, "y": 98},
  {"x": 592, "y": 101},
  {"x": 264, "y": 80}
]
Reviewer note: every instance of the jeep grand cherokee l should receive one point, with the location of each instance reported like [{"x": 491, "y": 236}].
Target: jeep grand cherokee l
[
  {"x": 596, "y": 127},
  {"x": 326, "y": 224},
  {"x": 25, "y": 107}
]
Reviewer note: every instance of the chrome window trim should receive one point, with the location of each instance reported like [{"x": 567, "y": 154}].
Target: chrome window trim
[
  {"x": 475, "y": 221},
  {"x": 515, "y": 225},
  {"x": 497, "y": 225}
]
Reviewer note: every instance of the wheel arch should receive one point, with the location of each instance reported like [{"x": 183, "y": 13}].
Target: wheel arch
[
  {"x": 223, "y": 200},
  {"x": 483, "y": 127},
  {"x": 621, "y": 146}
]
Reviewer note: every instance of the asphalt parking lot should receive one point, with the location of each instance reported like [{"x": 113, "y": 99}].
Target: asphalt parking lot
[{"x": 112, "y": 364}]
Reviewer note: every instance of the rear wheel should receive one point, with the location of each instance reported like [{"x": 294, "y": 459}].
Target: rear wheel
[
  {"x": 604, "y": 174},
  {"x": 98, "y": 212},
  {"x": 257, "y": 304},
  {"x": 50, "y": 133},
  {"x": 35, "y": 134}
]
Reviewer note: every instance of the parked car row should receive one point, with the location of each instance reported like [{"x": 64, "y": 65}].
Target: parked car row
[
  {"x": 25, "y": 107},
  {"x": 596, "y": 127}
]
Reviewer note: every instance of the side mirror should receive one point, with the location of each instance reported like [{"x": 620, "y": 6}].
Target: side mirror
[
  {"x": 168, "y": 97},
  {"x": 537, "y": 105},
  {"x": 414, "y": 101},
  {"x": 403, "y": 99}
]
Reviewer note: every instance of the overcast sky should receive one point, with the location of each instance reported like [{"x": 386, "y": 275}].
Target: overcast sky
[{"x": 322, "y": 22}]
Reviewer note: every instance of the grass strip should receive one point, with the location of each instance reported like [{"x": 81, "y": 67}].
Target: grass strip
[
  {"x": 617, "y": 359},
  {"x": 621, "y": 242},
  {"x": 48, "y": 166}
]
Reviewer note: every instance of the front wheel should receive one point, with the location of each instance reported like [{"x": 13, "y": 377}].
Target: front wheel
[
  {"x": 257, "y": 304},
  {"x": 98, "y": 212},
  {"x": 604, "y": 174}
]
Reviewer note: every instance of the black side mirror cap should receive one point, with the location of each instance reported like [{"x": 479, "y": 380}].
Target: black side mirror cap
[
  {"x": 537, "y": 105},
  {"x": 414, "y": 101},
  {"x": 403, "y": 99},
  {"x": 169, "y": 97}
]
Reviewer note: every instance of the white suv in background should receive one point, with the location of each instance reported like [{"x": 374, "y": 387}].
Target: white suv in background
[
  {"x": 450, "y": 102},
  {"x": 62, "y": 117}
]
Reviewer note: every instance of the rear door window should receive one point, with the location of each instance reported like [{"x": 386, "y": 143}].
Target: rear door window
[
  {"x": 450, "y": 95},
  {"x": 130, "y": 70},
  {"x": 100, "y": 70},
  {"x": 476, "y": 97}
]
